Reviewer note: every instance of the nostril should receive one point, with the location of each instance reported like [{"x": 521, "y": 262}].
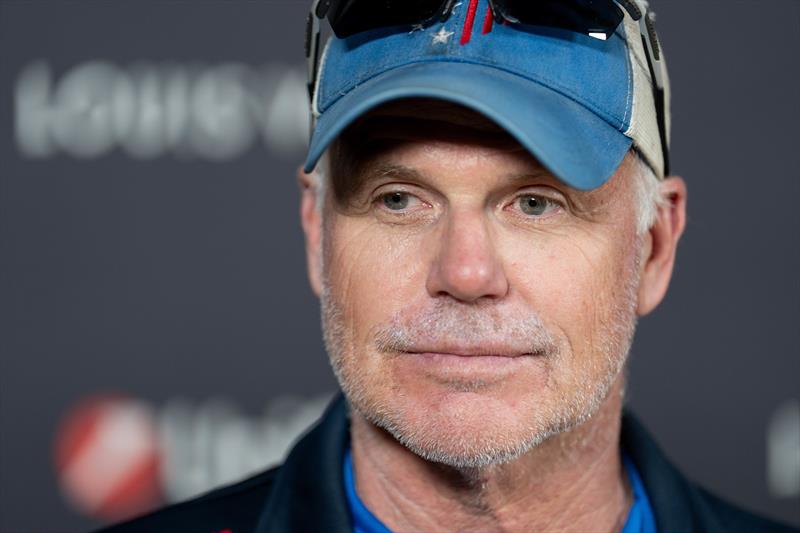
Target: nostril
[{"x": 468, "y": 282}]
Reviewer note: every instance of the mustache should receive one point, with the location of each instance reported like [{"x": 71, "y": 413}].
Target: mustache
[{"x": 452, "y": 327}]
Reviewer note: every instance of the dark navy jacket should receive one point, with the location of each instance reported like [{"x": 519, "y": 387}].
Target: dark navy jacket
[{"x": 306, "y": 493}]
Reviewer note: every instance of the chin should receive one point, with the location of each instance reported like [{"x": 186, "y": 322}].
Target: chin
[
  {"x": 462, "y": 429},
  {"x": 468, "y": 425}
]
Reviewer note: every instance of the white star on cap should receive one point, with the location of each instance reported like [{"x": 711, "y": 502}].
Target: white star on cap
[{"x": 443, "y": 36}]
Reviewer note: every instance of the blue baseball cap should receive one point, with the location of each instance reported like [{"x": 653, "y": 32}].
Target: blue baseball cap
[{"x": 577, "y": 103}]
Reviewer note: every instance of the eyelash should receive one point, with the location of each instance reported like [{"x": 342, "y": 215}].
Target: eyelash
[
  {"x": 380, "y": 198},
  {"x": 554, "y": 205}
]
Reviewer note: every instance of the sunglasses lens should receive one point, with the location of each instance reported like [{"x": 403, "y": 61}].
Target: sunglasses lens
[
  {"x": 583, "y": 16},
  {"x": 348, "y": 17}
]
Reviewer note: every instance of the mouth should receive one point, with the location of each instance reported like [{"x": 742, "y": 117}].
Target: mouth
[
  {"x": 470, "y": 365},
  {"x": 485, "y": 350}
]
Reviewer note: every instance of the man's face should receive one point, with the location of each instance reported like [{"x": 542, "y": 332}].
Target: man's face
[{"x": 472, "y": 304}]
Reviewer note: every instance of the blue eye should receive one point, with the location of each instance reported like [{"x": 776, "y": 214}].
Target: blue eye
[
  {"x": 396, "y": 201},
  {"x": 533, "y": 205}
]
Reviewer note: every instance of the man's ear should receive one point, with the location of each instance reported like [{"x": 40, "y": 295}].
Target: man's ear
[
  {"x": 661, "y": 243},
  {"x": 311, "y": 220}
]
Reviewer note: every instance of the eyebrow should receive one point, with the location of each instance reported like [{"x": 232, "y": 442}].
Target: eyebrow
[
  {"x": 585, "y": 202},
  {"x": 581, "y": 201},
  {"x": 540, "y": 174},
  {"x": 362, "y": 177},
  {"x": 375, "y": 172},
  {"x": 356, "y": 180}
]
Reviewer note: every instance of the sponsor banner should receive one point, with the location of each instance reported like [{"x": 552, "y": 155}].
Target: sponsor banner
[
  {"x": 150, "y": 110},
  {"x": 117, "y": 456}
]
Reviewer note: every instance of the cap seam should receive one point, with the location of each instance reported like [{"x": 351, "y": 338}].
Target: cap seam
[
  {"x": 315, "y": 111},
  {"x": 631, "y": 88}
]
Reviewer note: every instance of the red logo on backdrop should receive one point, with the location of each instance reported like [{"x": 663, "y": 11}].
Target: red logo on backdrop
[
  {"x": 117, "y": 456},
  {"x": 107, "y": 458}
]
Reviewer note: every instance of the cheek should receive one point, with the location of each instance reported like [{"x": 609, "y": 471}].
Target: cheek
[
  {"x": 573, "y": 282},
  {"x": 372, "y": 273}
]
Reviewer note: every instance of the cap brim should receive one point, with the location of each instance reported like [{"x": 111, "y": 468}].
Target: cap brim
[{"x": 575, "y": 144}]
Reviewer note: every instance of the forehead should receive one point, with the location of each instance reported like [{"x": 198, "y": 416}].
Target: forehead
[
  {"x": 368, "y": 145},
  {"x": 367, "y": 142}
]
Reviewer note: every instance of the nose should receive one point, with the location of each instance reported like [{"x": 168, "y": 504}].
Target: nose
[{"x": 467, "y": 266}]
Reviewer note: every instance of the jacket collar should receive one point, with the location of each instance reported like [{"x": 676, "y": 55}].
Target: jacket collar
[
  {"x": 673, "y": 498},
  {"x": 308, "y": 491}
]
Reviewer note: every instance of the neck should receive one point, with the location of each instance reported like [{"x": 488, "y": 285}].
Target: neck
[{"x": 572, "y": 481}]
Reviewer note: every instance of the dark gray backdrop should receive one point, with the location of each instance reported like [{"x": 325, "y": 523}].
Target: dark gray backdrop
[{"x": 170, "y": 276}]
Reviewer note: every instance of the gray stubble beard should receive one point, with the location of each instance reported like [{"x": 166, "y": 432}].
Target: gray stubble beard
[{"x": 571, "y": 412}]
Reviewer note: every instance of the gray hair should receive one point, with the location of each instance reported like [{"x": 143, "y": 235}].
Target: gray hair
[
  {"x": 648, "y": 194},
  {"x": 320, "y": 176}
]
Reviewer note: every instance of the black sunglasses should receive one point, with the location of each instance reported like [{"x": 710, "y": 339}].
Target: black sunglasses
[
  {"x": 595, "y": 17},
  {"x": 348, "y": 17}
]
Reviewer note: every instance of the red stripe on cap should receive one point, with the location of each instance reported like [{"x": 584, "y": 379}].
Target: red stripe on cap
[
  {"x": 469, "y": 22},
  {"x": 488, "y": 22}
]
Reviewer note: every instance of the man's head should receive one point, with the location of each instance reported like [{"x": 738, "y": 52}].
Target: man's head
[{"x": 473, "y": 303}]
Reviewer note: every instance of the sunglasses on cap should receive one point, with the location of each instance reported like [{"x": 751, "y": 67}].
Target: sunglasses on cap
[{"x": 598, "y": 18}]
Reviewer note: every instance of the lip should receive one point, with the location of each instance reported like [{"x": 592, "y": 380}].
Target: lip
[
  {"x": 467, "y": 356},
  {"x": 478, "y": 351},
  {"x": 460, "y": 366},
  {"x": 470, "y": 359}
]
